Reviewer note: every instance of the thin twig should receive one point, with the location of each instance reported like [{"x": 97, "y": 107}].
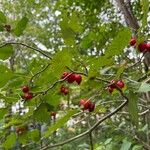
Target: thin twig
[
  {"x": 33, "y": 48},
  {"x": 91, "y": 141},
  {"x": 39, "y": 73}
]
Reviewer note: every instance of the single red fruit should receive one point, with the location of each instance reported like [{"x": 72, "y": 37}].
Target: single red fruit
[
  {"x": 64, "y": 75},
  {"x": 132, "y": 41},
  {"x": 148, "y": 46},
  {"x": 62, "y": 89},
  {"x": 66, "y": 91},
  {"x": 120, "y": 84},
  {"x": 78, "y": 78},
  {"x": 71, "y": 78},
  {"x": 82, "y": 102},
  {"x": 25, "y": 89},
  {"x": 92, "y": 107},
  {"x": 110, "y": 89},
  {"x": 113, "y": 83},
  {"x": 142, "y": 47},
  {"x": 87, "y": 104},
  {"x": 28, "y": 96}
]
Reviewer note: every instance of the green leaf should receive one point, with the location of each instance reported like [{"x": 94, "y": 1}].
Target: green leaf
[
  {"x": 125, "y": 145},
  {"x": 3, "y": 111},
  {"x": 60, "y": 60},
  {"x": 60, "y": 122},
  {"x": 96, "y": 64},
  {"x": 34, "y": 135},
  {"x": 145, "y": 87},
  {"x": 10, "y": 141},
  {"x": 75, "y": 23},
  {"x": 119, "y": 43},
  {"x": 6, "y": 51},
  {"x": 41, "y": 114},
  {"x": 5, "y": 76},
  {"x": 67, "y": 33},
  {"x": 108, "y": 141},
  {"x": 145, "y": 7},
  {"x": 52, "y": 98},
  {"x": 21, "y": 25},
  {"x": 137, "y": 147},
  {"x": 1, "y": 28},
  {"x": 2, "y": 17},
  {"x": 133, "y": 108},
  {"x": 23, "y": 138}
]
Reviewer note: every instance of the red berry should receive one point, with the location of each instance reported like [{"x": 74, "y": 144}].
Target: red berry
[
  {"x": 66, "y": 91},
  {"x": 82, "y": 102},
  {"x": 25, "y": 89},
  {"x": 78, "y": 78},
  {"x": 87, "y": 104},
  {"x": 120, "y": 84},
  {"x": 132, "y": 41},
  {"x": 142, "y": 47},
  {"x": 71, "y": 78},
  {"x": 28, "y": 96},
  {"x": 113, "y": 83},
  {"x": 64, "y": 75},
  {"x": 92, "y": 107},
  {"x": 62, "y": 89},
  {"x": 148, "y": 46},
  {"x": 110, "y": 89}
]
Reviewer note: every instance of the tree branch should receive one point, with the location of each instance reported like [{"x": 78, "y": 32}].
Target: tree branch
[
  {"x": 127, "y": 12},
  {"x": 33, "y": 48},
  {"x": 31, "y": 80}
]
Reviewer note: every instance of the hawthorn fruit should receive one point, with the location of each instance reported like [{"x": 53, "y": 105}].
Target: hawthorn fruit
[
  {"x": 82, "y": 102},
  {"x": 87, "y": 105},
  {"x": 78, "y": 78},
  {"x": 92, "y": 107},
  {"x": 71, "y": 78},
  {"x": 142, "y": 47},
  {"x": 120, "y": 84},
  {"x": 64, "y": 75},
  {"x": 148, "y": 46},
  {"x": 64, "y": 90},
  {"x": 110, "y": 89},
  {"x": 114, "y": 84},
  {"x": 132, "y": 41},
  {"x": 28, "y": 96},
  {"x": 25, "y": 89}
]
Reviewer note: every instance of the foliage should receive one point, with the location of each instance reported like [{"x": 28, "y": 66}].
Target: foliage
[{"x": 39, "y": 41}]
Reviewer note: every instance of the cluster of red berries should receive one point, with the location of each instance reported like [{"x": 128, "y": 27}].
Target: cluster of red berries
[
  {"x": 143, "y": 46},
  {"x": 114, "y": 84},
  {"x": 87, "y": 105},
  {"x": 27, "y": 94},
  {"x": 64, "y": 90},
  {"x": 71, "y": 77},
  {"x": 53, "y": 115}
]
